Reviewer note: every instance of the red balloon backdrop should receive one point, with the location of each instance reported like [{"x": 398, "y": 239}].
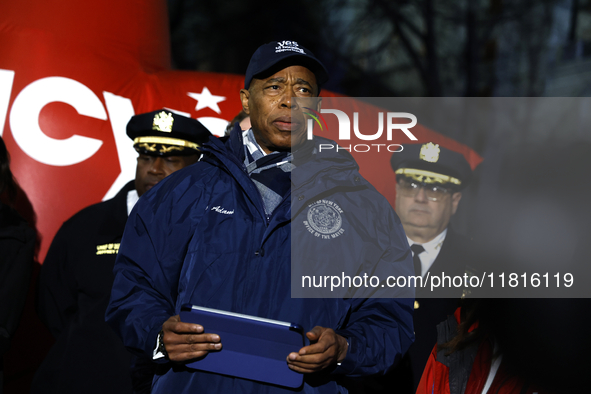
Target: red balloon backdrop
[{"x": 72, "y": 73}]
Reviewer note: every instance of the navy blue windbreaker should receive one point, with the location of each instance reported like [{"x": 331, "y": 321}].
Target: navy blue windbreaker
[{"x": 201, "y": 236}]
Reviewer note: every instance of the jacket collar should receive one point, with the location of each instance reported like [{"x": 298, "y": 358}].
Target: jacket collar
[
  {"x": 341, "y": 165},
  {"x": 318, "y": 169}
]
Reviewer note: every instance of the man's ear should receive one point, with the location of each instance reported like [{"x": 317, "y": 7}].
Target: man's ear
[
  {"x": 318, "y": 104},
  {"x": 455, "y": 200},
  {"x": 244, "y": 96}
]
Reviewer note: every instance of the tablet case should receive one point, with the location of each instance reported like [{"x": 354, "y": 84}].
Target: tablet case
[{"x": 252, "y": 347}]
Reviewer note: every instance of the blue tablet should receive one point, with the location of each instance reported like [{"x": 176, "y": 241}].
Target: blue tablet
[{"x": 252, "y": 347}]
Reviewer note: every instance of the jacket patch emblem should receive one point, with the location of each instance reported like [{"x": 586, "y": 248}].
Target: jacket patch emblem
[
  {"x": 107, "y": 249},
  {"x": 324, "y": 219},
  {"x": 219, "y": 209}
]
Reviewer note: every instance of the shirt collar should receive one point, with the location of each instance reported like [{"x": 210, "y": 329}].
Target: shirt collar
[
  {"x": 132, "y": 198},
  {"x": 432, "y": 246}
]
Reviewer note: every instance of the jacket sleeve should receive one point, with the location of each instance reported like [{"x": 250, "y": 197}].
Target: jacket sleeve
[
  {"x": 380, "y": 330},
  {"x": 148, "y": 266}
]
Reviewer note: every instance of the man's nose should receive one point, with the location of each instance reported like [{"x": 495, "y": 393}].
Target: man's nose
[
  {"x": 421, "y": 195},
  {"x": 157, "y": 166},
  {"x": 288, "y": 100}
]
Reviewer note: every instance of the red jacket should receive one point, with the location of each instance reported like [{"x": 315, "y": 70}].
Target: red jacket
[{"x": 436, "y": 376}]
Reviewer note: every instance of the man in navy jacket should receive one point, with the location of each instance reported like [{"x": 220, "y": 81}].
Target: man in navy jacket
[{"x": 222, "y": 234}]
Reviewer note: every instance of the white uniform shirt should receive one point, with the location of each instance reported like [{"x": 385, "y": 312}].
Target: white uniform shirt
[{"x": 132, "y": 198}]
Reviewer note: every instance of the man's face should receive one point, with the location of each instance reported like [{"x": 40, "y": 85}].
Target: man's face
[
  {"x": 152, "y": 169},
  {"x": 269, "y": 102},
  {"x": 422, "y": 218}
]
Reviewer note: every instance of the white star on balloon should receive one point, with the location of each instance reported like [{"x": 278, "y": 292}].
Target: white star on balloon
[{"x": 205, "y": 99}]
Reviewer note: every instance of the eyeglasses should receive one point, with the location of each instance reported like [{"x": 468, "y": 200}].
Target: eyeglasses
[{"x": 410, "y": 188}]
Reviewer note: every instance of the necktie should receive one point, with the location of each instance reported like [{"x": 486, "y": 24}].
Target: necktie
[{"x": 416, "y": 251}]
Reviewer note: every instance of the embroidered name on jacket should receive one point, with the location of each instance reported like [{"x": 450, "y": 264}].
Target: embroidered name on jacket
[
  {"x": 107, "y": 249},
  {"x": 219, "y": 209},
  {"x": 324, "y": 219}
]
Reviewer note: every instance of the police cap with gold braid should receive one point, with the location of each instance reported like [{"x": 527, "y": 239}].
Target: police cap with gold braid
[
  {"x": 164, "y": 133},
  {"x": 430, "y": 163}
]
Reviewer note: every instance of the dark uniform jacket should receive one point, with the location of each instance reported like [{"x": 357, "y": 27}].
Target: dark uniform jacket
[
  {"x": 453, "y": 260},
  {"x": 74, "y": 289},
  {"x": 430, "y": 310}
]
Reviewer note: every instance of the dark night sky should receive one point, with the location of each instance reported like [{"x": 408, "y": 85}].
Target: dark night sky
[{"x": 385, "y": 48}]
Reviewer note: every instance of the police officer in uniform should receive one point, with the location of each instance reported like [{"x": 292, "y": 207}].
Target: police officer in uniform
[
  {"x": 77, "y": 274},
  {"x": 429, "y": 183}
]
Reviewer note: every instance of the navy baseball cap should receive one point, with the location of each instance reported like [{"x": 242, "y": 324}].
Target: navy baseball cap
[
  {"x": 164, "y": 133},
  {"x": 277, "y": 55},
  {"x": 431, "y": 163}
]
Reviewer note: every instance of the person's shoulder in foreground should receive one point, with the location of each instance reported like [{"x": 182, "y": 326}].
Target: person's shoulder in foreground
[
  {"x": 219, "y": 235},
  {"x": 17, "y": 243}
]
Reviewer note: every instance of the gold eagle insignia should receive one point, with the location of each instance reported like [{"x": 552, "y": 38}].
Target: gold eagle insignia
[
  {"x": 430, "y": 152},
  {"x": 163, "y": 122}
]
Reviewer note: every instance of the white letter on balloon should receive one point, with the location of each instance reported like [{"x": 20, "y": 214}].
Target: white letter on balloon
[
  {"x": 120, "y": 111},
  {"x": 24, "y": 121},
  {"x": 6, "y": 78}
]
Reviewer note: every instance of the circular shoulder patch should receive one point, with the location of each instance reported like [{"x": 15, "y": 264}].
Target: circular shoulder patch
[{"x": 325, "y": 217}]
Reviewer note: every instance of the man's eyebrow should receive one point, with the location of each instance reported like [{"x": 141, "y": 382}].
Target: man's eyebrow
[
  {"x": 303, "y": 81},
  {"x": 278, "y": 79},
  {"x": 299, "y": 81}
]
